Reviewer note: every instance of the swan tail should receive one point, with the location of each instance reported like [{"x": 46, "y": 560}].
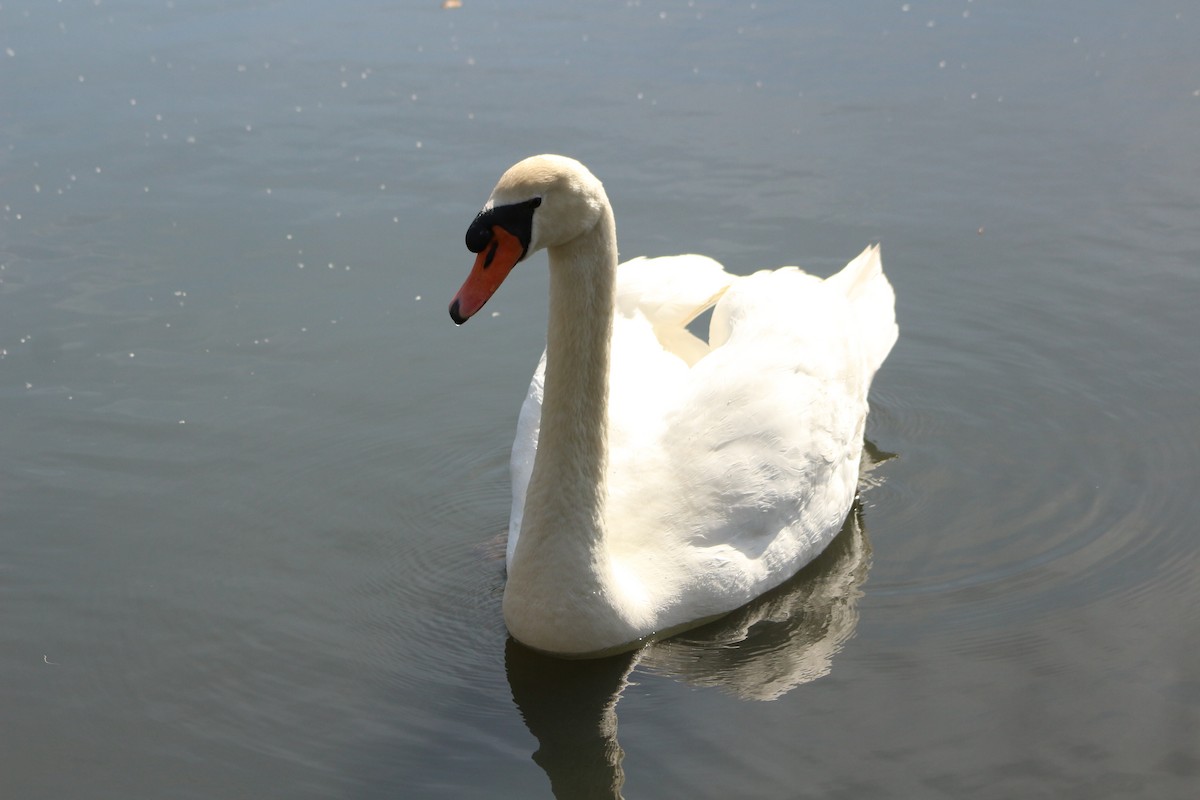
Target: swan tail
[{"x": 872, "y": 302}]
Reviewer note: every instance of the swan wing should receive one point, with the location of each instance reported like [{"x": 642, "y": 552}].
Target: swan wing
[
  {"x": 752, "y": 464},
  {"x": 669, "y": 292}
]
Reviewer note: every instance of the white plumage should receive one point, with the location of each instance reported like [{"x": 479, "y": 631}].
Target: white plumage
[{"x": 705, "y": 472}]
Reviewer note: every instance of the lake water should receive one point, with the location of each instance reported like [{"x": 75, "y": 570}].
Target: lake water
[{"x": 253, "y": 481}]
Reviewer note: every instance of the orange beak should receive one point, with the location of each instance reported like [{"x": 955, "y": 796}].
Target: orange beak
[{"x": 492, "y": 266}]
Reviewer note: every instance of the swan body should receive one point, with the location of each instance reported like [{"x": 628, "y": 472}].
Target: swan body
[{"x": 661, "y": 480}]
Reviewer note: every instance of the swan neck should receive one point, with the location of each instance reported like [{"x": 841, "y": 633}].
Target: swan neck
[
  {"x": 568, "y": 487},
  {"x": 561, "y": 558},
  {"x": 579, "y": 331}
]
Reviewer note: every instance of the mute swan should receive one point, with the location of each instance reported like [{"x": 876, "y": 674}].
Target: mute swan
[{"x": 660, "y": 480}]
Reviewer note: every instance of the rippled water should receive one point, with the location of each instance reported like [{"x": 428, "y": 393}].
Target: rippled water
[{"x": 254, "y": 482}]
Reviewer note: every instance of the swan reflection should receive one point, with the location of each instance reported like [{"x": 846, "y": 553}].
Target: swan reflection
[{"x": 785, "y": 638}]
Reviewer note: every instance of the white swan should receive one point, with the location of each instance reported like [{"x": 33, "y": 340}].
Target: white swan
[{"x": 660, "y": 480}]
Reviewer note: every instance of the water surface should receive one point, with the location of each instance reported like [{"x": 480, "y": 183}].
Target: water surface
[{"x": 253, "y": 484}]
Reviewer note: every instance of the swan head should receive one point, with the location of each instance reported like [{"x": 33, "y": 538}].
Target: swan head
[{"x": 543, "y": 201}]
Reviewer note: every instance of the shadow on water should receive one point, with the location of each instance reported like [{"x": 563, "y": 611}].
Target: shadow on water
[
  {"x": 571, "y": 708},
  {"x": 782, "y": 640}
]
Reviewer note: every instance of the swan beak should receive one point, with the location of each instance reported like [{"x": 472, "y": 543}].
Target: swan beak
[{"x": 492, "y": 266}]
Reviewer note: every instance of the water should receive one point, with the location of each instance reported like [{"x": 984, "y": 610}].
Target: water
[{"x": 254, "y": 486}]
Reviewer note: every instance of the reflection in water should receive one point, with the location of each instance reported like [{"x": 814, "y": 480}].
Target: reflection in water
[
  {"x": 784, "y": 638},
  {"x": 762, "y": 651},
  {"x": 571, "y": 707}
]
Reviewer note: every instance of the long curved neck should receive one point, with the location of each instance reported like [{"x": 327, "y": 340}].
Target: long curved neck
[
  {"x": 563, "y": 525},
  {"x": 572, "y": 446}
]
